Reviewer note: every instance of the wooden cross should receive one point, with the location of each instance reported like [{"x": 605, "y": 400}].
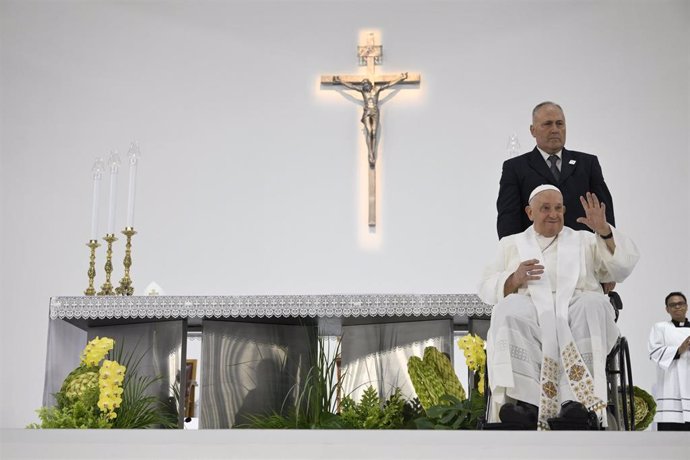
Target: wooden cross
[{"x": 370, "y": 85}]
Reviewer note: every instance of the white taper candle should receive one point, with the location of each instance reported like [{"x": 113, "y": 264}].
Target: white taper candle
[
  {"x": 114, "y": 164},
  {"x": 133, "y": 160},
  {"x": 97, "y": 174}
]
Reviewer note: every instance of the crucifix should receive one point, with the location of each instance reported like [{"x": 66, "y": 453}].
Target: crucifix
[{"x": 370, "y": 86}]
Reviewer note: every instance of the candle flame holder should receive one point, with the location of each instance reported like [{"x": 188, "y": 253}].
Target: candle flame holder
[
  {"x": 107, "y": 287},
  {"x": 126, "y": 287},
  {"x": 92, "y": 244}
]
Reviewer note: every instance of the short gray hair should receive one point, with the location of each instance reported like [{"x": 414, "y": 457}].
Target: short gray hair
[{"x": 542, "y": 104}]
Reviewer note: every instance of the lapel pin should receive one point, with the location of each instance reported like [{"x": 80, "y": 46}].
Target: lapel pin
[{"x": 572, "y": 162}]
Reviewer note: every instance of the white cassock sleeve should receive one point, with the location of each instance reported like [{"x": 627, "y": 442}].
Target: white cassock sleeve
[
  {"x": 495, "y": 274},
  {"x": 617, "y": 266},
  {"x": 659, "y": 351}
]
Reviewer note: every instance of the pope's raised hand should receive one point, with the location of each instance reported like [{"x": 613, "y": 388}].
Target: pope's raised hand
[{"x": 595, "y": 214}]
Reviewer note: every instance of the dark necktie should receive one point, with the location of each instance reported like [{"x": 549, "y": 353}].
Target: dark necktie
[{"x": 554, "y": 169}]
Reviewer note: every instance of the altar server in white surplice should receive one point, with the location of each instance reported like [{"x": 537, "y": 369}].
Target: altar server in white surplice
[
  {"x": 552, "y": 326},
  {"x": 668, "y": 349}
]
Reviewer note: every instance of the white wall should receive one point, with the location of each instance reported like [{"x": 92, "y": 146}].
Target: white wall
[{"x": 251, "y": 177}]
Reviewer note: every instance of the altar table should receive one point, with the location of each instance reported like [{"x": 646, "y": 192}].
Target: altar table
[{"x": 256, "y": 348}]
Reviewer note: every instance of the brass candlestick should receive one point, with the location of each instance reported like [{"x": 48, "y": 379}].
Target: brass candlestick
[
  {"x": 125, "y": 287},
  {"x": 107, "y": 287},
  {"x": 92, "y": 244}
]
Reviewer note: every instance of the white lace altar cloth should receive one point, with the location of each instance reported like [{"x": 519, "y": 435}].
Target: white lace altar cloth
[{"x": 268, "y": 306}]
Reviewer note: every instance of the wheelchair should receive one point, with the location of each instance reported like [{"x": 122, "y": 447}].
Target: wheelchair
[
  {"x": 620, "y": 409},
  {"x": 621, "y": 400}
]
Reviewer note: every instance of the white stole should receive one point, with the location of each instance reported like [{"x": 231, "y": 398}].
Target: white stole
[{"x": 559, "y": 351}]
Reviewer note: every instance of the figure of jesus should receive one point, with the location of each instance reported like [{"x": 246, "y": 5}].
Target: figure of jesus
[{"x": 370, "y": 115}]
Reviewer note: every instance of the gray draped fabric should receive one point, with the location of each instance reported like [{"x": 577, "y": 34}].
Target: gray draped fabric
[
  {"x": 251, "y": 369},
  {"x": 377, "y": 354},
  {"x": 65, "y": 343}
]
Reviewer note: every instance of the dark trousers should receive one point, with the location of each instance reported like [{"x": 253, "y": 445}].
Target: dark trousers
[{"x": 661, "y": 426}]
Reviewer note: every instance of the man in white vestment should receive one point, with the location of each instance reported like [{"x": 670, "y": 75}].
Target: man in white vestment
[
  {"x": 552, "y": 326},
  {"x": 668, "y": 348}
]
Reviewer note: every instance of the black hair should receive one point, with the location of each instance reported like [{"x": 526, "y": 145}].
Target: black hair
[{"x": 678, "y": 293}]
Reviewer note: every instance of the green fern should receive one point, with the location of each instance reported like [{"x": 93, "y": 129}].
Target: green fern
[
  {"x": 76, "y": 416},
  {"x": 394, "y": 411},
  {"x": 372, "y": 413}
]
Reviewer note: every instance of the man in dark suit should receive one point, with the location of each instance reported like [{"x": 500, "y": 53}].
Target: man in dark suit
[{"x": 574, "y": 173}]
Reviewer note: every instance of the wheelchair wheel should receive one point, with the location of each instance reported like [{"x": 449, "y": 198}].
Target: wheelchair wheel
[
  {"x": 627, "y": 388},
  {"x": 620, "y": 384}
]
